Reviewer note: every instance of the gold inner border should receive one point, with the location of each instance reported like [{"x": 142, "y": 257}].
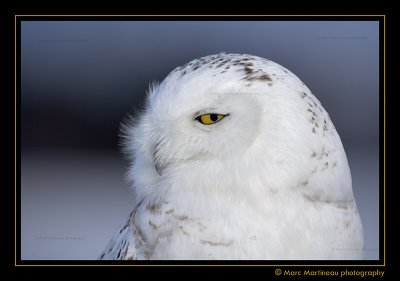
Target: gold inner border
[{"x": 197, "y": 265}]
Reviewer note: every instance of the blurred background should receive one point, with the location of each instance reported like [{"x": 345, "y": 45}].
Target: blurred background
[{"x": 80, "y": 78}]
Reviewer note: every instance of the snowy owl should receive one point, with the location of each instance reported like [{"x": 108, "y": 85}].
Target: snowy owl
[{"x": 233, "y": 157}]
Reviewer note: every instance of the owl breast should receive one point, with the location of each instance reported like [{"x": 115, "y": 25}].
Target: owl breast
[{"x": 171, "y": 229}]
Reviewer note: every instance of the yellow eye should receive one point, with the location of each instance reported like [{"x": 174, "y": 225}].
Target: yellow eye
[{"x": 210, "y": 118}]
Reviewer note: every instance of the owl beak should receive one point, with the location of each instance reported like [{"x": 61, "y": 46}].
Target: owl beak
[
  {"x": 158, "y": 169},
  {"x": 159, "y": 166}
]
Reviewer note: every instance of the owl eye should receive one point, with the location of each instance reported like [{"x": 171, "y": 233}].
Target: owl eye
[{"x": 210, "y": 118}]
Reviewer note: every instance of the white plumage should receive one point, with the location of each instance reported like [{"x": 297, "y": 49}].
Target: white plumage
[{"x": 235, "y": 158}]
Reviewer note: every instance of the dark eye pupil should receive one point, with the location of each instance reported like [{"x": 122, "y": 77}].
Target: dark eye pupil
[{"x": 214, "y": 117}]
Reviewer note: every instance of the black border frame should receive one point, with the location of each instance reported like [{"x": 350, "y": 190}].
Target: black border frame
[{"x": 291, "y": 264}]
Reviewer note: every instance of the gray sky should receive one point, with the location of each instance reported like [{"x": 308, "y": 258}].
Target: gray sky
[{"x": 87, "y": 75}]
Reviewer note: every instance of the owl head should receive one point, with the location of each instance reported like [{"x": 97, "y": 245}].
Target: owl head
[{"x": 227, "y": 120}]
